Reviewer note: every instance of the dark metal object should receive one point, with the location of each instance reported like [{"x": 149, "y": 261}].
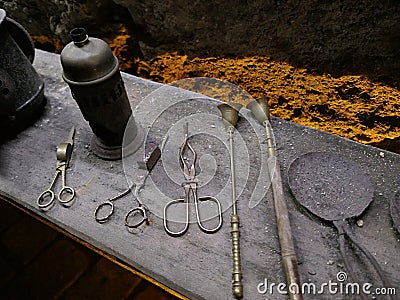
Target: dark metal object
[
  {"x": 91, "y": 71},
  {"x": 395, "y": 211},
  {"x": 259, "y": 108},
  {"x": 335, "y": 189},
  {"x": 21, "y": 88},
  {"x": 230, "y": 115},
  {"x": 21, "y": 37}
]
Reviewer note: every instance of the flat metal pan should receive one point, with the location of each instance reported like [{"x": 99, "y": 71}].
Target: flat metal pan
[
  {"x": 334, "y": 189},
  {"x": 330, "y": 186}
]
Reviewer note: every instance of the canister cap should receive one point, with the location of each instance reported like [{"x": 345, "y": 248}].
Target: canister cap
[
  {"x": 79, "y": 36},
  {"x": 86, "y": 59}
]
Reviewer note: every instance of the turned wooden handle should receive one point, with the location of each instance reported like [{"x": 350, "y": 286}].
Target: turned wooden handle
[{"x": 284, "y": 230}]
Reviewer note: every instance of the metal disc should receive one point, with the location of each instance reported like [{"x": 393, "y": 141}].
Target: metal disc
[
  {"x": 330, "y": 186},
  {"x": 395, "y": 211}
]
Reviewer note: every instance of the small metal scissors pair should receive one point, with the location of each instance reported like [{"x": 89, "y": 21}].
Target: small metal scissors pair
[
  {"x": 138, "y": 210},
  {"x": 131, "y": 219},
  {"x": 190, "y": 186},
  {"x": 67, "y": 193}
]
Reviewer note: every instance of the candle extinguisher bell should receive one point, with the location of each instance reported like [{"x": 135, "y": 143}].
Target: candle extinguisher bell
[
  {"x": 92, "y": 73},
  {"x": 21, "y": 88}
]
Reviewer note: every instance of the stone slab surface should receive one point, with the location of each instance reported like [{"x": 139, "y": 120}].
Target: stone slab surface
[{"x": 196, "y": 265}]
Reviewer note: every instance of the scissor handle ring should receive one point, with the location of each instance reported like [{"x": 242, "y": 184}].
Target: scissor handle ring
[
  {"x": 41, "y": 203},
  {"x": 134, "y": 211},
  {"x": 169, "y": 231},
  {"x": 66, "y": 190},
  {"x": 107, "y": 217},
  {"x": 199, "y": 222}
]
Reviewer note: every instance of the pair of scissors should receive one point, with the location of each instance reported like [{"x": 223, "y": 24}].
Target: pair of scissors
[
  {"x": 138, "y": 210},
  {"x": 190, "y": 186},
  {"x": 67, "y": 193},
  {"x": 137, "y": 215}
]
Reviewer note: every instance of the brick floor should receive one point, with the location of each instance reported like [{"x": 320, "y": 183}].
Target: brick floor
[{"x": 36, "y": 262}]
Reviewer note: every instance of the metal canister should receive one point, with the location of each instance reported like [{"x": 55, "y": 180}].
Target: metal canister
[
  {"x": 21, "y": 88},
  {"x": 92, "y": 73}
]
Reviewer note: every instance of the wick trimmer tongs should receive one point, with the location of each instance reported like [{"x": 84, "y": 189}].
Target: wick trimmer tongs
[{"x": 190, "y": 186}]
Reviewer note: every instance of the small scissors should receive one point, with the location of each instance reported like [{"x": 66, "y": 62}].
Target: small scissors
[
  {"x": 138, "y": 210},
  {"x": 64, "y": 152},
  {"x": 190, "y": 186},
  {"x": 141, "y": 210}
]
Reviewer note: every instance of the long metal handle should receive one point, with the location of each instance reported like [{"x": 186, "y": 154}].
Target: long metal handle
[
  {"x": 237, "y": 286},
  {"x": 282, "y": 217}
]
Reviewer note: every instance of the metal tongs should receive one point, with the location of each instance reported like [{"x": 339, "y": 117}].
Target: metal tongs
[{"x": 190, "y": 186}]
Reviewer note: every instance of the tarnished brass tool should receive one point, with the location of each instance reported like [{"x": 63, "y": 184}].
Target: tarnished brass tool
[
  {"x": 259, "y": 108},
  {"x": 230, "y": 113},
  {"x": 67, "y": 193}
]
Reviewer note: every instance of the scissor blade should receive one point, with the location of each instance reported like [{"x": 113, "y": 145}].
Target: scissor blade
[
  {"x": 149, "y": 163},
  {"x": 71, "y": 136}
]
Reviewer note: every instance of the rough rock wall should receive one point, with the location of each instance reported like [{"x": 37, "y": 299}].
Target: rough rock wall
[
  {"x": 338, "y": 37},
  {"x": 57, "y": 17}
]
